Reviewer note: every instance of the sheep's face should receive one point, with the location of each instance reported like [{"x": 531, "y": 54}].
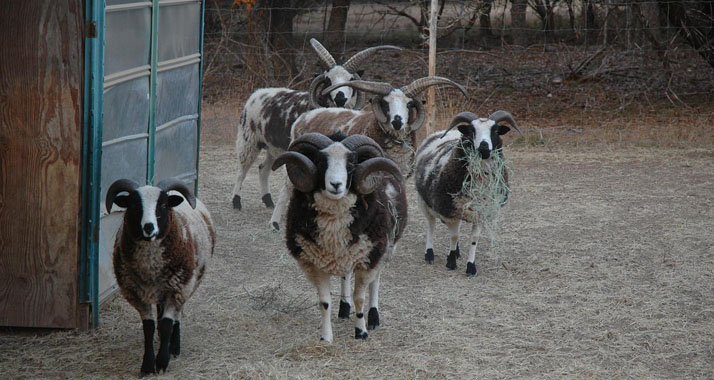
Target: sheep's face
[
  {"x": 337, "y": 162},
  {"x": 483, "y": 134},
  {"x": 340, "y": 96},
  {"x": 147, "y": 211},
  {"x": 396, "y": 107}
]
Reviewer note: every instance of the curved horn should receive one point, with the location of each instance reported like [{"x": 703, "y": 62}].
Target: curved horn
[
  {"x": 379, "y": 112},
  {"x": 378, "y": 88},
  {"x": 354, "y": 63},
  {"x": 359, "y": 102},
  {"x": 506, "y": 116},
  {"x": 311, "y": 141},
  {"x": 463, "y": 117},
  {"x": 363, "y": 184},
  {"x": 364, "y": 146},
  {"x": 301, "y": 170},
  {"x": 420, "y": 116},
  {"x": 169, "y": 184},
  {"x": 421, "y": 84},
  {"x": 325, "y": 56},
  {"x": 117, "y": 187},
  {"x": 314, "y": 88}
]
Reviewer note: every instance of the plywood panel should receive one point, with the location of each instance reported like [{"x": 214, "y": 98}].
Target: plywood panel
[{"x": 40, "y": 151}]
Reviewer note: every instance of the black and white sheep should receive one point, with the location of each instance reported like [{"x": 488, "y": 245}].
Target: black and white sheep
[
  {"x": 343, "y": 217},
  {"x": 441, "y": 169},
  {"x": 269, "y": 113},
  {"x": 160, "y": 256}
]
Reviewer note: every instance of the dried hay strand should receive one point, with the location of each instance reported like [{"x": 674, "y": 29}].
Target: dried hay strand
[{"x": 485, "y": 188}]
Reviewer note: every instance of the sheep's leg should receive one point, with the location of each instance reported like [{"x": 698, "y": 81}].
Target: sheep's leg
[
  {"x": 430, "y": 220},
  {"x": 175, "y": 344},
  {"x": 264, "y": 175},
  {"x": 149, "y": 325},
  {"x": 453, "y": 226},
  {"x": 322, "y": 283},
  {"x": 345, "y": 296},
  {"x": 166, "y": 327},
  {"x": 282, "y": 205},
  {"x": 475, "y": 234},
  {"x": 373, "y": 316},
  {"x": 362, "y": 279},
  {"x": 247, "y": 153}
]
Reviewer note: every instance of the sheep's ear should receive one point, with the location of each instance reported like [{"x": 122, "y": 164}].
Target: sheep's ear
[
  {"x": 360, "y": 72},
  {"x": 175, "y": 200},
  {"x": 423, "y": 102},
  {"x": 502, "y": 130},
  {"x": 121, "y": 201},
  {"x": 466, "y": 130}
]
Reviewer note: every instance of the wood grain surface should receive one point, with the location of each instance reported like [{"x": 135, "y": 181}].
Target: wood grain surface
[{"x": 40, "y": 152}]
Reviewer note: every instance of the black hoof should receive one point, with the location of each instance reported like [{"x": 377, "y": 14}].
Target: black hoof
[
  {"x": 429, "y": 256},
  {"x": 372, "y": 318},
  {"x": 147, "y": 367},
  {"x": 361, "y": 334},
  {"x": 236, "y": 202},
  {"x": 175, "y": 345},
  {"x": 268, "y": 201},
  {"x": 344, "y": 312},
  {"x": 451, "y": 260},
  {"x": 276, "y": 226},
  {"x": 458, "y": 251},
  {"x": 166, "y": 326},
  {"x": 470, "y": 269}
]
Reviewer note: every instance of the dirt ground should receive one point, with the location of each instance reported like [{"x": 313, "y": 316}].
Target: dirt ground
[{"x": 604, "y": 269}]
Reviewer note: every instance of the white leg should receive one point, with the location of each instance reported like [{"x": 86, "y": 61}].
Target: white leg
[
  {"x": 264, "y": 176},
  {"x": 430, "y": 221},
  {"x": 247, "y": 153},
  {"x": 373, "y": 316},
  {"x": 322, "y": 282},
  {"x": 362, "y": 279},
  {"x": 453, "y": 226},
  {"x": 282, "y": 205},
  {"x": 345, "y": 296},
  {"x": 475, "y": 234}
]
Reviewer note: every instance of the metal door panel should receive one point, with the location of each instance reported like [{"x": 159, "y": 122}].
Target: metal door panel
[
  {"x": 180, "y": 36},
  {"x": 126, "y": 110},
  {"x": 176, "y": 93},
  {"x": 128, "y": 39}
]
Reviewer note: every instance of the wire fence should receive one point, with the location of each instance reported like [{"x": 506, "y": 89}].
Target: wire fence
[{"x": 559, "y": 64}]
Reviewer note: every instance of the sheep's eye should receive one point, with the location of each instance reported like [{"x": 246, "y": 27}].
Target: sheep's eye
[{"x": 410, "y": 104}]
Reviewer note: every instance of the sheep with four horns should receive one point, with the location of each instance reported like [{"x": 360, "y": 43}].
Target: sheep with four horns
[
  {"x": 269, "y": 113},
  {"x": 160, "y": 256},
  {"x": 343, "y": 216},
  {"x": 441, "y": 168}
]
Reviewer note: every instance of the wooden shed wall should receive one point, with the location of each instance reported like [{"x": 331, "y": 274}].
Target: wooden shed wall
[{"x": 40, "y": 155}]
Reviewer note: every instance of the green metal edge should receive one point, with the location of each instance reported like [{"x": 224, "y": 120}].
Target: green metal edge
[
  {"x": 200, "y": 96},
  {"x": 151, "y": 144},
  {"x": 92, "y": 120}
]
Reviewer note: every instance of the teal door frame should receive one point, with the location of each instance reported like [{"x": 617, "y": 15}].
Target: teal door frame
[{"x": 93, "y": 105}]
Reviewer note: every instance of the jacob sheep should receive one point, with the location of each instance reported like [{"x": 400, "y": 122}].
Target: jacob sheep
[
  {"x": 269, "y": 113},
  {"x": 442, "y": 163},
  {"x": 160, "y": 255},
  {"x": 343, "y": 217}
]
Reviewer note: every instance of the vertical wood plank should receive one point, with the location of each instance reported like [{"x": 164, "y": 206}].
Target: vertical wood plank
[
  {"x": 430, "y": 98},
  {"x": 40, "y": 152}
]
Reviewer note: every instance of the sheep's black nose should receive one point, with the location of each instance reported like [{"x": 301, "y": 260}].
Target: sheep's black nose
[
  {"x": 483, "y": 150},
  {"x": 148, "y": 228},
  {"x": 336, "y": 185},
  {"x": 340, "y": 99},
  {"x": 397, "y": 122}
]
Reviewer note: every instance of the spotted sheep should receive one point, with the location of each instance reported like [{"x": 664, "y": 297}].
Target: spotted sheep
[
  {"x": 343, "y": 217},
  {"x": 395, "y": 116},
  {"x": 441, "y": 168},
  {"x": 269, "y": 113},
  {"x": 160, "y": 256}
]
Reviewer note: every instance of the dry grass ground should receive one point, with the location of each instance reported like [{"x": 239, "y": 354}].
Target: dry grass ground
[{"x": 604, "y": 270}]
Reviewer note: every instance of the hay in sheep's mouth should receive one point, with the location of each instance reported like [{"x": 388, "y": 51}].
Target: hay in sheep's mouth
[{"x": 485, "y": 188}]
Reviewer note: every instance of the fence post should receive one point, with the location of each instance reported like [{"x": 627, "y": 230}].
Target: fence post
[{"x": 432, "y": 71}]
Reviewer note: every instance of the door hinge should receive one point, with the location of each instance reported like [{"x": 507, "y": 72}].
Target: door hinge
[{"x": 91, "y": 29}]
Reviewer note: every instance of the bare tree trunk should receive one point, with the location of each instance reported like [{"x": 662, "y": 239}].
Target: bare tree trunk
[
  {"x": 280, "y": 37},
  {"x": 518, "y": 22},
  {"x": 484, "y": 19},
  {"x": 335, "y": 37}
]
